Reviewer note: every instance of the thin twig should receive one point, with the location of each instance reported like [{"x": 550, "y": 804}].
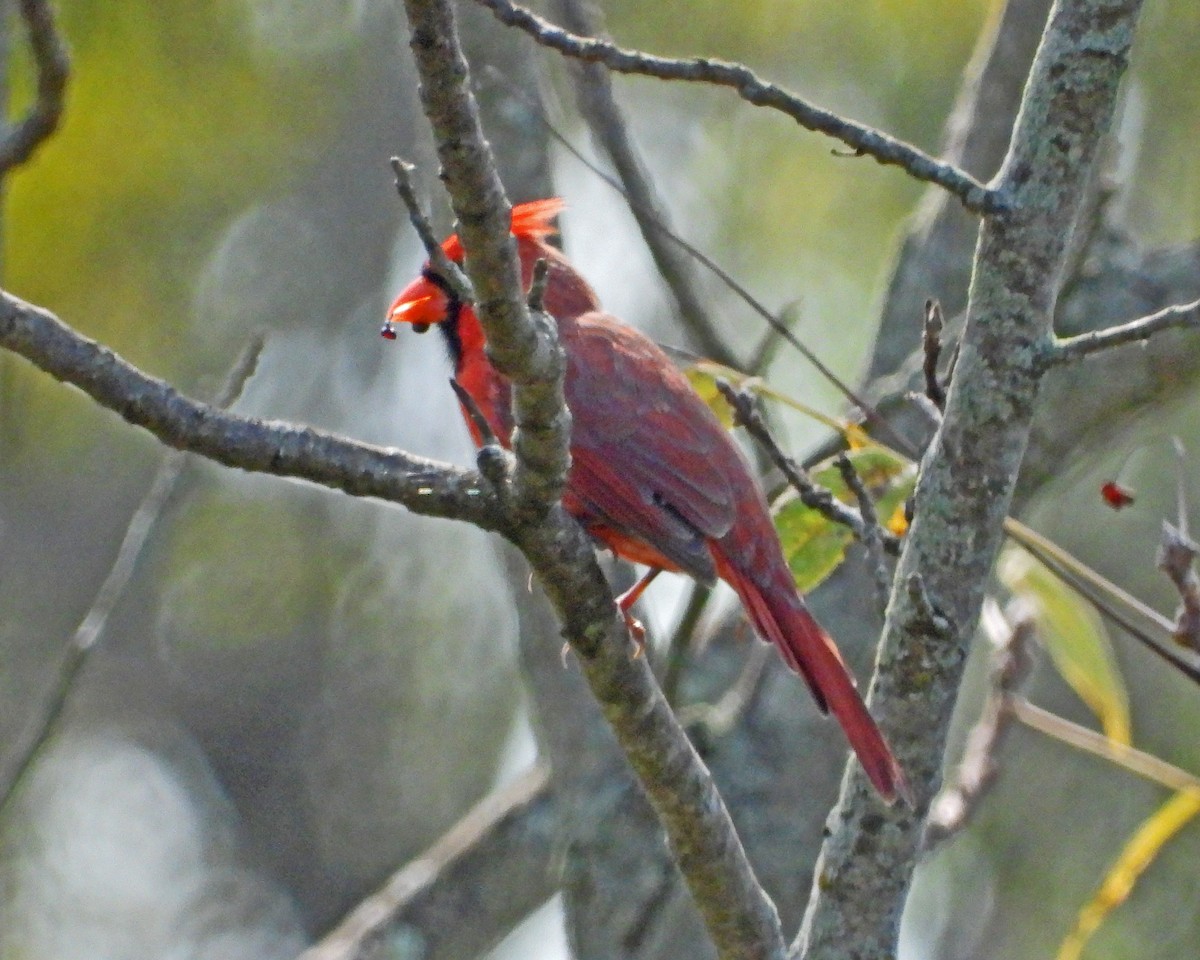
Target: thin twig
[
  {"x": 599, "y": 109},
  {"x": 445, "y": 268},
  {"x": 494, "y": 462},
  {"x": 957, "y": 801},
  {"x": 931, "y": 344},
  {"x": 503, "y": 844},
  {"x": 1178, "y": 317},
  {"x": 928, "y": 409},
  {"x": 53, "y": 71},
  {"x": 1120, "y": 606},
  {"x": 40, "y": 727},
  {"x": 860, "y": 138},
  {"x": 680, "y": 644},
  {"x": 1176, "y": 558},
  {"x": 872, "y": 533},
  {"x": 762, "y": 355},
  {"x": 720, "y": 718},
  {"x": 537, "y": 286},
  {"x": 812, "y": 495},
  {"x": 1130, "y": 758}
]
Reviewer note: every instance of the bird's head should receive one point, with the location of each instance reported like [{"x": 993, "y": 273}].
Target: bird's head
[{"x": 430, "y": 299}]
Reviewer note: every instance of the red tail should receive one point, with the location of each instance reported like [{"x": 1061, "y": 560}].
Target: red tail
[{"x": 779, "y": 615}]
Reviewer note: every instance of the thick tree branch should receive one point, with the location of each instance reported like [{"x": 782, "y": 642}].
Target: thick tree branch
[
  {"x": 860, "y": 138},
  {"x": 494, "y": 865},
  {"x": 1179, "y": 317},
  {"x": 522, "y": 346},
  {"x": 740, "y": 918},
  {"x": 970, "y": 470},
  {"x": 53, "y": 70}
]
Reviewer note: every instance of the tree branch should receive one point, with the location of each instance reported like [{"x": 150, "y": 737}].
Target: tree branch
[
  {"x": 494, "y": 864},
  {"x": 53, "y": 71},
  {"x": 522, "y": 347},
  {"x": 740, "y": 918},
  {"x": 246, "y": 443},
  {"x": 863, "y": 140},
  {"x": 969, "y": 473},
  {"x": 1179, "y": 317}
]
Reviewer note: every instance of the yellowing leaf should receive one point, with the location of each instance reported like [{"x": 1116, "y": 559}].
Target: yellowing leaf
[
  {"x": 1075, "y": 638},
  {"x": 703, "y": 378},
  {"x": 856, "y": 436},
  {"x": 1132, "y": 862}
]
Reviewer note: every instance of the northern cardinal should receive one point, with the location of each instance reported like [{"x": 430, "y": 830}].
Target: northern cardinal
[{"x": 654, "y": 476}]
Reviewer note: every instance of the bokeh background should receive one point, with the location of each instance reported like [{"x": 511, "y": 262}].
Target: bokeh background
[{"x": 299, "y": 692}]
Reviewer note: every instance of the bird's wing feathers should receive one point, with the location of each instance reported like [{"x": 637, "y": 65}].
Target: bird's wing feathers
[{"x": 649, "y": 457}]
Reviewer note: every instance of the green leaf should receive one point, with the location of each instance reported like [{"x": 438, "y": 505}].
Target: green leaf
[
  {"x": 1074, "y": 636},
  {"x": 813, "y": 545}
]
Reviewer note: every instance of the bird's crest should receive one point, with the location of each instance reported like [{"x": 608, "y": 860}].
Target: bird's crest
[{"x": 532, "y": 219}]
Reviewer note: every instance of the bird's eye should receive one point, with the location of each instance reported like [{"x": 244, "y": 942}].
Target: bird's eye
[{"x": 420, "y": 327}]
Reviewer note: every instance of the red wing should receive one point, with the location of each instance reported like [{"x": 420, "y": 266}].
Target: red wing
[{"x": 649, "y": 458}]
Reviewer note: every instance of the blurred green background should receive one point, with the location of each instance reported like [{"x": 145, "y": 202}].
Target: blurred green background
[{"x": 251, "y": 748}]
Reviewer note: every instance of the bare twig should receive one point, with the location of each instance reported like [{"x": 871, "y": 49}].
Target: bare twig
[
  {"x": 537, "y": 286},
  {"x": 953, "y": 807},
  {"x": 40, "y": 727},
  {"x": 486, "y": 435},
  {"x": 1179, "y": 317},
  {"x": 1176, "y": 558},
  {"x": 493, "y": 461},
  {"x": 445, "y": 268},
  {"x": 813, "y": 496},
  {"x": 872, "y": 533},
  {"x": 599, "y": 108},
  {"x": 772, "y": 338},
  {"x": 494, "y": 864},
  {"x": 751, "y": 88},
  {"x": 931, "y": 343},
  {"x": 1118, "y": 605},
  {"x": 680, "y": 644},
  {"x": 719, "y": 718},
  {"x": 53, "y": 70},
  {"x": 1134, "y": 760},
  {"x": 929, "y": 410}
]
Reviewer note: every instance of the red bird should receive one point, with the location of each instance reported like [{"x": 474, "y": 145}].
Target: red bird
[{"x": 654, "y": 476}]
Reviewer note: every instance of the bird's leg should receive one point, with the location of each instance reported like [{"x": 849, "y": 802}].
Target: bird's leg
[{"x": 627, "y": 600}]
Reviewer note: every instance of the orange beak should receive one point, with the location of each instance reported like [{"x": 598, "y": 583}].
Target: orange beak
[{"x": 421, "y": 304}]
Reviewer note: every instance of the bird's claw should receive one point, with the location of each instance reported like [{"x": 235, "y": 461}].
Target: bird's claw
[{"x": 637, "y": 633}]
